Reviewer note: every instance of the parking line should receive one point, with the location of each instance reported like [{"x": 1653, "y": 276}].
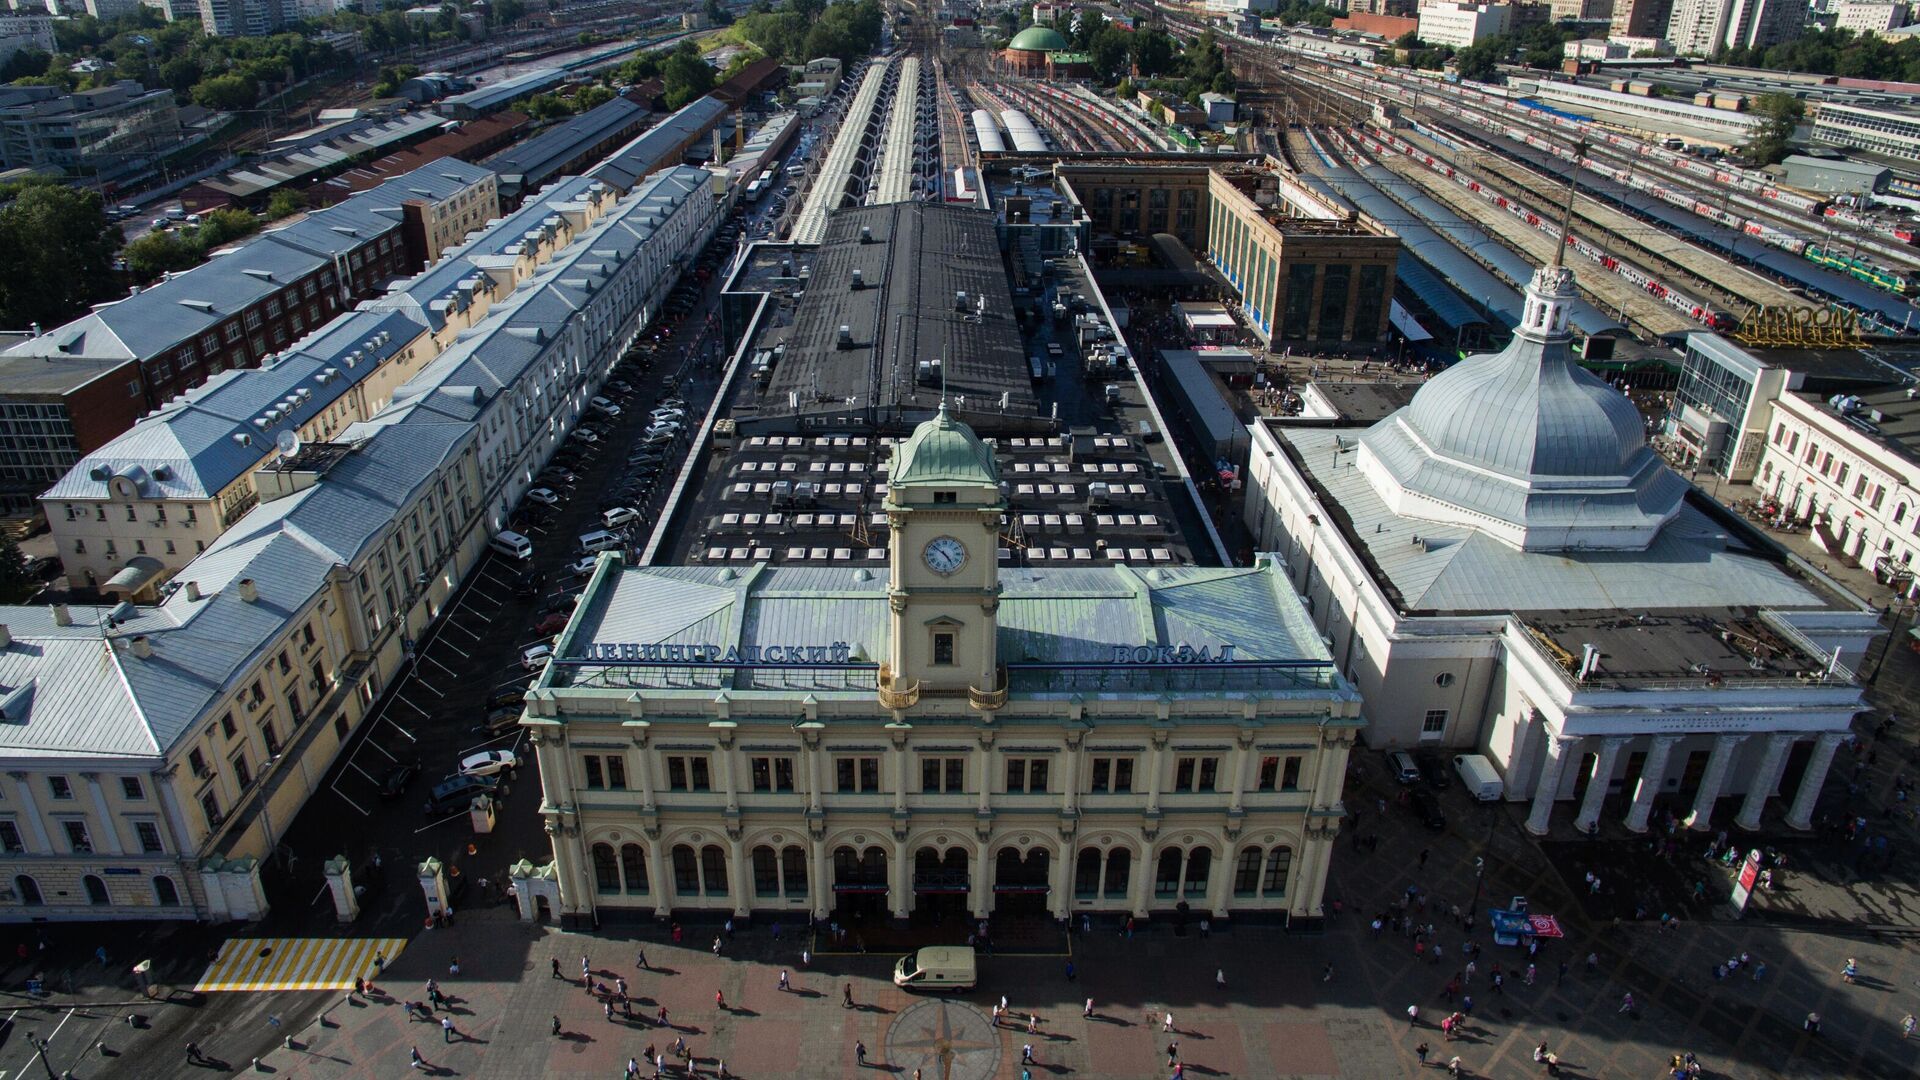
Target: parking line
[
  {"x": 402, "y": 699},
  {"x": 430, "y": 686},
  {"x": 437, "y": 824},
  {"x": 382, "y": 749},
  {"x": 474, "y": 634},
  {"x": 497, "y": 581},
  {"x": 429, "y": 659},
  {"x": 464, "y": 653}
]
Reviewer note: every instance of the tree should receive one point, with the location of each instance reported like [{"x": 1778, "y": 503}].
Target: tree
[
  {"x": 285, "y": 203},
  {"x": 1780, "y": 115},
  {"x": 225, "y": 93},
  {"x": 158, "y": 252},
  {"x": 1108, "y": 53},
  {"x": 687, "y": 75},
  {"x": 56, "y": 253},
  {"x": 1152, "y": 53},
  {"x": 717, "y": 14},
  {"x": 25, "y": 63},
  {"x": 219, "y": 228},
  {"x": 15, "y": 583}
]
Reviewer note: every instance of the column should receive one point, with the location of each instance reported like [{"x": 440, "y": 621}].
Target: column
[
  {"x": 1070, "y": 777},
  {"x": 1156, "y": 764},
  {"x": 1760, "y": 788},
  {"x": 1653, "y": 772},
  {"x": 739, "y": 892},
  {"x": 899, "y": 780},
  {"x": 1060, "y": 883},
  {"x": 1141, "y": 891},
  {"x": 814, "y": 754},
  {"x": 1239, "y": 768},
  {"x": 982, "y": 760},
  {"x": 1712, "y": 781},
  {"x": 1309, "y": 885},
  {"x": 726, "y": 756},
  {"x": 1603, "y": 765},
  {"x": 980, "y": 881},
  {"x": 900, "y": 879},
  {"x": 1547, "y": 783},
  {"x": 1800, "y": 816},
  {"x": 644, "y": 766},
  {"x": 820, "y": 883},
  {"x": 658, "y": 883},
  {"x": 107, "y": 837},
  {"x": 1217, "y": 884},
  {"x": 23, "y": 784}
]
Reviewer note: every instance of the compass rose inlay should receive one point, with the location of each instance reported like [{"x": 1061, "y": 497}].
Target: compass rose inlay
[{"x": 948, "y": 1040}]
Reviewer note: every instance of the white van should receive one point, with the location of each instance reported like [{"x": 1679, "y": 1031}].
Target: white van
[
  {"x": 1477, "y": 773},
  {"x": 512, "y": 545},
  {"x": 620, "y": 515},
  {"x": 598, "y": 540},
  {"x": 937, "y": 967}
]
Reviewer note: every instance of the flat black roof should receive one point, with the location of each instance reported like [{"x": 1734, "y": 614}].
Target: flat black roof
[{"x": 913, "y": 262}]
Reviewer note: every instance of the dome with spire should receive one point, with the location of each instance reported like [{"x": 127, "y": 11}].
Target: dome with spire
[
  {"x": 1525, "y": 445},
  {"x": 943, "y": 451}
]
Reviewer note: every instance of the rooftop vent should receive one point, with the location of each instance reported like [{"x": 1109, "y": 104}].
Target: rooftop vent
[
  {"x": 858, "y": 280},
  {"x": 960, "y": 300},
  {"x": 193, "y": 590},
  {"x": 249, "y": 591},
  {"x": 141, "y": 646},
  {"x": 62, "y": 615},
  {"x": 846, "y": 337},
  {"x": 866, "y": 234}
]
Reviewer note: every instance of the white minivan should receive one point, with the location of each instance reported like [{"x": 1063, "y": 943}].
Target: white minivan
[
  {"x": 598, "y": 540},
  {"x": 512, "y": 545},
  {"x": 620, "y": 515}
]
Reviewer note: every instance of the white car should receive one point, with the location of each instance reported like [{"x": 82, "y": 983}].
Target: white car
[
  {"x": 586, "y": 435},
  {"x": 544, "y": 496},
  {"x": 668, "y": 415},
  {"x": 584, "y": 567},
  {"x": 664, "y": 428},
  {"x": 620, "y": 515},
  {"x": 535, "y": 657},
  {"x": 488, "y": 763},
  {"x": 602, "y": 405}
]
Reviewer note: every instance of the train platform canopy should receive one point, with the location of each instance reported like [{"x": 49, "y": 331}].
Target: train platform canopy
[
  {"x": 1438, "y": 296},
  {"x": 891, "y": 287}
]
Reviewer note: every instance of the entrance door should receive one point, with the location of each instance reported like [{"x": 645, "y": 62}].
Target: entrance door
[
  {"x": 940, "y": 887},
  {"x": 1584, "y": 776},
  {"x": 1020, "y": 884},
  {"x": 1696, "y": 768},
  {"x": 859, "y": 886}
]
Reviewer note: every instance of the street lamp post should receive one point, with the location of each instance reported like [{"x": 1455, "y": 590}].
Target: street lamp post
[{"x": 40, "y": 1051}]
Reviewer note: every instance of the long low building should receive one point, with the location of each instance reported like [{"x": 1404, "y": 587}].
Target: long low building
[
  {"x": 152, "y": 753},
  {"x": 565, "y": 147}
]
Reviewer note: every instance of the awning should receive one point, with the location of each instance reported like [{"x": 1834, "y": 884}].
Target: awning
[{"x": 134, "y": 576}]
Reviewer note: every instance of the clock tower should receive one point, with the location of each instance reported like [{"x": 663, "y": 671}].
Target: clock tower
[{"x": 943, "y": 507}]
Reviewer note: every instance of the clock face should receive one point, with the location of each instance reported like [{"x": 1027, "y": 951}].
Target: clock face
[{"x": 945, "y": 555}]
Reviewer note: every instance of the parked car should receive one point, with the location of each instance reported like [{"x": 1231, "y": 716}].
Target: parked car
[
  {"x": 1434, "y": 769},
  {"x": 528, "y": 583},
  {"x": 1400, "y": 763},
  {"x": 551, "y": 624},
  {"x": 511, "y": 697},
  {"x": 456, "y": 792},
  {"x": 585, "y": 435},
  {"x": 535, "y": 657},
  {"x": 604, "y": 405},
  {"x": 544, "y": 496},
  {"x": 558, "y": 476},
  {"x": 488, "y": 763},
  {"x": 398, "y": 778},
  {"x": 583, "y": 567},
  {"x": 500, "y": 721},
  {"x": 620, "y": 515}
]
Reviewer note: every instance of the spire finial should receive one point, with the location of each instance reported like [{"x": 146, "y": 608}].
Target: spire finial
[{"x": 1566, "y": 212}]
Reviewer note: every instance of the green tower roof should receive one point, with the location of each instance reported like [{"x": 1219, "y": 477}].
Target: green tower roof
[{"x": 943, "y": 451}]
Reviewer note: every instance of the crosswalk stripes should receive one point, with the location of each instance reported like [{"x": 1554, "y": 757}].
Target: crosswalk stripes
[{"x": 295, "y": 963}]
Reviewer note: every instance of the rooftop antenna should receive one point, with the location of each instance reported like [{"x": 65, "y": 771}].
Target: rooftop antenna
[{"x": 1566, "y": 212}]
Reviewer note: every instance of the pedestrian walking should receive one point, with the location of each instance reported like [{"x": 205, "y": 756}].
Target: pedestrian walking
[
  {"x": 415, "y": 1061},
  {"x": 1759, "y": 969},
  {"x": 1033, "y": 1024},
  {"x": 1593, "y": 962},
  {"x": 586, "y": 968},
  {"x": 555, "y": 961},
  {"x": 1413, "y": 1017},
  {"x": 1907, "y": 1024},
  {"x": 1812, "y": 1023},
  {"x": 806, "y": 957},
  {"x": 1498, "y": 983},
  {"x": 846, "y": 996},
  {"x": 1626, "y": 1002},
  {"x": 720, "y": 1000},
  {"x": 1849, "y": 971},
  {"x": 1563, "y": 972},
  {"x": 609, "y": 1008},
  {"x": 1453, "y": 1066},
  {"x": 446, "y": 1028},
  {"x": 1528, "y": 978},
  {"x": 1173, "y": 1053},
  {"x": 556, "y": 1026},
  {"x": 860, "y": 1053},
  {"x": 1026, "y": 1054},
  {"x": 1466, "y": 1004},
  {"x": 1421, "y": 1052},
  {"x": 1088, "y": 1013},
  {"x": 661, "y": 1018},
  {"x": 1220, "y": 978},
  {"x": 1470, "y": 969},
  {"x": 1326, "y": 974},
  {"x": 1167, "y": 1023},
  {"x": 639, "y": 961},
  {"x": 716, "y": 946},
  {"x": 729, "y": 929},
  {"x": 194, "y": 1056},
  {"x": 1070, "y": 971},
  {"x": 784, "y": 987}
]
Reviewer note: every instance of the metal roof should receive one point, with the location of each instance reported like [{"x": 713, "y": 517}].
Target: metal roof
[
  {"x": 1694, "y": 561},
  {"x": 532, "y": 161},
  {"x": 1440, "y": 298},
  {"x": 506, "y": 90},
  {"x": 659, "y": 146}
]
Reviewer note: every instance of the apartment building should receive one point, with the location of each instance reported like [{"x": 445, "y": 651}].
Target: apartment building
[
  {"x": 1870, "y": 18},
  {"x": 153, "y": 753},
  {"x": 255, "y": 299},
  {"x": 1461, "y": 24},
  {"x": 137, "y": 510},
  {"x": 101, "y": 132}
]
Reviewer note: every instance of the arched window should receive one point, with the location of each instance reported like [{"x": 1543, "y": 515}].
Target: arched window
[
  {"x": 1119, "y": 872},
  {"x": 1279, "y": 865},
  {"x": 686, "y": 871},
  {"x": 1246, "y": 873},
  {"x": 1900, "y": 513},
  {"x": 1199, "y": 862},
  {"x": 165, "y": 891},
  {"x": 606, "y": 872},
  {"x": 713, "y": 868},
  {"x": 1086, "y": 874},
  {"x": 793, "y": 871},
  {"x": 29, "y": 891},
  {"x": 766, "y": 872},
  {"x": 96, "y": 891},
  {"x": 633, "y": 867},
  {"x": 1166, "y": 876}
]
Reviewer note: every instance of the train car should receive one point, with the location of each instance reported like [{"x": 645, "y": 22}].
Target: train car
[{"x": 964, "y": 187}]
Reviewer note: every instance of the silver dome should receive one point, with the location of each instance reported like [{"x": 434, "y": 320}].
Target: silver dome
[{"x": 1526, "y": 445}]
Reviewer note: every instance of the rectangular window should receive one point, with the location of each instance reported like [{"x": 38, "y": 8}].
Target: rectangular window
[
  {"x": 1027, "y": 775},
  {"x": 10, "y": 840},
  {"x": 687, "y": 772},
  {"x": 616, "y": 773},
  {"x": 1195, "y": 773},
  {"x": 59, "y": 787},
  {"x": 78, "y": 841},
  {"x": 943, "y": 648},
  {"x": 772, "y": 774},
  {"x": 269, "y": 736},
  {"x": 1435, "y": 723},
  {"x": 226, "y": 725},
  {"x": 595, "y": 781},
  {"x": 1269, "y": 773},
  {"x": 1290, "y": 774},
  {"x": 943, "y": 775},
  {"x": 1113, "y": 775},
  {"x": 210, "y": 805},
  {"x": 198, "y": 763},
  {"x": 131, "y": 789},
  {"x": 857, "y": 775},
  {"x": 149, "y": 835},
  {"x": 243, "y": 772}
]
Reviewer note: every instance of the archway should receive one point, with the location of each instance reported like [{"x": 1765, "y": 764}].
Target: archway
[
  {"x": 96, "y": 891},
  {"x": 29, "y": 891},
  {"x": 941, "y": 885},
  {"x": 165, "y": 891},
  {"x": 859, "y": 885},
  {"x": 1020, "y": 882}
]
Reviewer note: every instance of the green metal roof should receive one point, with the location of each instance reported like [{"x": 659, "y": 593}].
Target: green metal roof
[
  {"x": 1038, "y": 39},
  {"x": 943, "y": 451}
]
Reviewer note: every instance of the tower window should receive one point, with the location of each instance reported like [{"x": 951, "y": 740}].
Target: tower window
[
  {"x": 946, "y": 497},
  {"x": 943, "y": 648}
]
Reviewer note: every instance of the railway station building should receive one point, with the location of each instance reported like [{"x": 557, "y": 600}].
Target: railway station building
[
  {"x": 1503, "y": 566},
  {"x": 921, "y": 644}
]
